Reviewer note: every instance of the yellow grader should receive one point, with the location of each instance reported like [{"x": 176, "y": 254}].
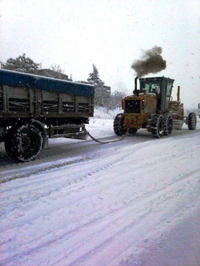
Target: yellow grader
[{"x": 152, "y": 107}]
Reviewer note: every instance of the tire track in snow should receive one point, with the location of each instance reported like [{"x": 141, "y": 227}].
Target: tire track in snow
[
  {"x": 107, "y": 241},
  {"x": 48, "y": 153},
  {"x": 52, "y": 151},
  {"x": 6, "y": 175},
  {"x": 128, "y": 211},
  {"x": 52, "y": 166},
  {"x": 42, "y": 181},
  {"x": 113, "y": 159},
  {"x": 56, "y": 190}
]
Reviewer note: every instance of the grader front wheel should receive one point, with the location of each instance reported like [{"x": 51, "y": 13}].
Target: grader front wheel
[
  {"x": 118, "y": 125},
  {"x": 157, "y": 126}
]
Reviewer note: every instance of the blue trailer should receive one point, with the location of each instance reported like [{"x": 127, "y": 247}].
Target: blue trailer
[{"x": 34, "y": 108}]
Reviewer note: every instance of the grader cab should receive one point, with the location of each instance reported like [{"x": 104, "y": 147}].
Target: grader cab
[{"x": 151, "y": 107}]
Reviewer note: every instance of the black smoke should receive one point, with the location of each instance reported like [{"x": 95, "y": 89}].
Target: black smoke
[{"x": 151, "y": 62}]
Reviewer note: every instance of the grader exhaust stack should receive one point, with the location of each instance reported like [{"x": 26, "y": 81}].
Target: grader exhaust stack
[
  {"x": 178, "y": 94},
  {"x": 135, "y": 90}
]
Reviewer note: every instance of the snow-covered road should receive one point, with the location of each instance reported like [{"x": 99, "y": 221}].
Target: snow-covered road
[{"x": 118, "y": 204}]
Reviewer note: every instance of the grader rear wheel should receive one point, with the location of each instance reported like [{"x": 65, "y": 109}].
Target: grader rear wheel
[
  {"x": 157, "y": 126},
  {"x": 118, "y": 125},
  {"x": 168, "y": 124}
]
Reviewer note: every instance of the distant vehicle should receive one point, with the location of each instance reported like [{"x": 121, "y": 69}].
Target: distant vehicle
[
  {"x": 34, "y": 108},
  {"x": 199, "y": 110},
  {"x": 151, "y": 107}
]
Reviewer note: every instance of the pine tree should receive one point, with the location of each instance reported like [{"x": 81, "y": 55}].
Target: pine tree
[
  {"x": 101, "y": 95},
  {"x": 94, "y": 78},
  {"x": 21, "y": 64}
]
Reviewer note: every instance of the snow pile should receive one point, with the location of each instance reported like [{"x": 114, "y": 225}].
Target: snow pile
[
  {"x": 103, "y": 113},
  {"x": 101, "y": 124}
]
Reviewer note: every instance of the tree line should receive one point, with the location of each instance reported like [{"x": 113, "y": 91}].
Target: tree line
[{"x": 103, "y": 96}]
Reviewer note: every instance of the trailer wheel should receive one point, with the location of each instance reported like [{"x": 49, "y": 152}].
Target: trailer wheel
[
  {"x": 168, "y": 124},
  {"x": 118, "y": 125},
  {"x": 10, "y": 143},
  {"x": 192, "y": 121},
  {"x": 25, "y": 143},
  {"x": 157, "y": 126},
  {"x": 40, "y": 128},
  {"x": 132, "y": 131}
]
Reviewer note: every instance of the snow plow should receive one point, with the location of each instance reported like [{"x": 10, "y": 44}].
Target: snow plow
[
  {"x": 152, "y": 107},
  {"x": 34, "y": 108}
]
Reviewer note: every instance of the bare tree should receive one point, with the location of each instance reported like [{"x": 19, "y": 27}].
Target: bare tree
[
  {"x": 57, "y": 68},
  {"x": 55, "y": 71},
  {"x": 116, "y": 100}
]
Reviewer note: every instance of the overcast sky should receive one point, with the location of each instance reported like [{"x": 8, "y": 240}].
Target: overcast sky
[{"x": 108, "y": 33}]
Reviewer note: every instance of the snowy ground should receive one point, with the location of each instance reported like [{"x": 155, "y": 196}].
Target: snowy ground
[{"x": 132, "y": 202}]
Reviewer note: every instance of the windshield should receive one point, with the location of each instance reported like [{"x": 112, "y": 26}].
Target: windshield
[{"x": 152, "y": 87}]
